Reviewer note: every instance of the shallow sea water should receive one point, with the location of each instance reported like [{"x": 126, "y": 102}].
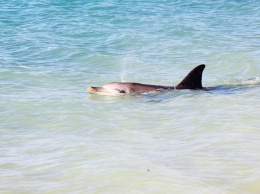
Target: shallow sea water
[{"x": 57, "y": 138}]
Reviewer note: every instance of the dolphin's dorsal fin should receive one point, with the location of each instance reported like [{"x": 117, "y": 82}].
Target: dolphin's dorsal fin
[{"x": 193, "y": 79}]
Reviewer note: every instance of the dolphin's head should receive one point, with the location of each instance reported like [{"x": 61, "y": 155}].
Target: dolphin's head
[{"x": 115, "y": 88}]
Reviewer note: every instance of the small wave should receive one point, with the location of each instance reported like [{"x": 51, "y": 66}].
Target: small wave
[
  {"x": 251, "y": 81},
  {"x": 235, "y": 81}
]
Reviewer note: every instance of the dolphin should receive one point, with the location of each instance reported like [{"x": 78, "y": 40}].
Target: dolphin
[{"x": 192, "y": 81}]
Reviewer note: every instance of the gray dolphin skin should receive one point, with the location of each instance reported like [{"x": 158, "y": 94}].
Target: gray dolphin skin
[{"x": 192, "y": 81}]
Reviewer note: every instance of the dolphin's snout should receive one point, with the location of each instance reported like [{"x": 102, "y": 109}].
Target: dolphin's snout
[{"x": 91, "y": 90}]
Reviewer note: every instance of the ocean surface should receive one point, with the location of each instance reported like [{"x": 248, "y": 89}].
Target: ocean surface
[{"x": 55, "y": 138}]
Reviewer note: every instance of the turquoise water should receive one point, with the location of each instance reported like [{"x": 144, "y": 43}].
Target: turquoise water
[{"x": 57, "y": 138}]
